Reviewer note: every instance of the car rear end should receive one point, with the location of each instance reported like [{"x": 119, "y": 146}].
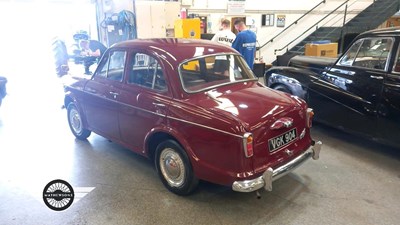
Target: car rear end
[
  {"x": 268, "y": 133},
  {"x": 277, "y": 146}
]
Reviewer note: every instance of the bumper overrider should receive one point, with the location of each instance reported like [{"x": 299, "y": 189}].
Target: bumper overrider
[{"x": 271, "y": 175}]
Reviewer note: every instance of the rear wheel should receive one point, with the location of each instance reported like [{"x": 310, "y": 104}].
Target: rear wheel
[
  {"x": 174, "y": 168},
  {"x": 283, "y": 88},
  {"x": 75, "y": 122}
]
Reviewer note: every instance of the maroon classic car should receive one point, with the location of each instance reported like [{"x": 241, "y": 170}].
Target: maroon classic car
[{"x": 195, "y": 108}]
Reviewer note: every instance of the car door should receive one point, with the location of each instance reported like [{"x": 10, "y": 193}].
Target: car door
[
  {"x": 349, "y": 92},
  {"x": 389, "y": 106},
  {"x": 101, "y": 106},
  {"x": 144, "y": 99}
]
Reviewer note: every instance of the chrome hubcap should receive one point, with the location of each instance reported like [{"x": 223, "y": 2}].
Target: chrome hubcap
[
  {"x": 75, "y": 119},
  {"x": 172, "y": 167}
]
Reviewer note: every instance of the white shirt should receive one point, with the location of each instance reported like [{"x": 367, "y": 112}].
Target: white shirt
[{"x": 225, "y": 37}]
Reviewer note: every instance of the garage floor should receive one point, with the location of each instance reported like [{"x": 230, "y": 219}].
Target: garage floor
[{"x": 354, "y": 182}]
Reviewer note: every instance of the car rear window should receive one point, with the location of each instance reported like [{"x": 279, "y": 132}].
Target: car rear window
[{"x": 214, "y": 70}]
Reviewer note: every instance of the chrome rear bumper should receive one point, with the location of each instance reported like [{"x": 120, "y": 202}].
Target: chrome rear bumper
[{"x": 271, "y": 175}]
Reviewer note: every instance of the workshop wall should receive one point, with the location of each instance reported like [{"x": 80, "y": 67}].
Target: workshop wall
[{"x": 286, "y": 10}]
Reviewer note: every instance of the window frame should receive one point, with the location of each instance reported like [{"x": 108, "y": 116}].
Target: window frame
[
  {"x": 217, "y": 85},
  {"x": 396, "y": 60},
  {"x": 105, "y": 63},
  {"x": 124, "y": 64},
  {"x": 159, "y": 67},
  {"x": 358, "y": 50},
  {"x": 362, "y": 40}
]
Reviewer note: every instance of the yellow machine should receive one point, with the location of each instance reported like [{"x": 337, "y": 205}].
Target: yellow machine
[{"x": 187, "y": 28}]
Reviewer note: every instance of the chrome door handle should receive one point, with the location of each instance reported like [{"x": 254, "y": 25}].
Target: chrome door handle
[
  {"x": 376, "y": 77},
  {"x": 114, "y": 94},
  {"x": 351, "y": 73},
  {"x": 158, "y": 104},
  {"x": 91, "y": 91}
]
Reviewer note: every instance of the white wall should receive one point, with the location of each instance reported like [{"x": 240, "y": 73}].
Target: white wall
[
  {"x": 28, "y": 29},
  {"x": 155, "y": 17},
  {"x": 292, "y": 9}
]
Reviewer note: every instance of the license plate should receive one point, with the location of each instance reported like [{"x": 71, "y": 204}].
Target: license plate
[{"x": 282, "y": 140}]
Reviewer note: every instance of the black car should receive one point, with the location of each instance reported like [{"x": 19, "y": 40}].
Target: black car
[{"x": 359, "y": 92}]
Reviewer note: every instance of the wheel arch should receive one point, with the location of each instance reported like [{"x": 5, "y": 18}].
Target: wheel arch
[
  {"x": 290, "y": 79},
  {"x": 154, "y": 139},
  {"x": 274, "y": 85},
  {"x": 157, "y": 136},
  {"x": 70, "y": 99}
]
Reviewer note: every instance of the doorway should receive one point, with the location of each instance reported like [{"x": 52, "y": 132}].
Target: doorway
[
  {"x": 233, "y": 20},
  {"x": 27, "y": 60}
]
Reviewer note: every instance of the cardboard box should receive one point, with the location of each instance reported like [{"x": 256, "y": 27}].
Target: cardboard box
[{"x": 324, "y": 50}]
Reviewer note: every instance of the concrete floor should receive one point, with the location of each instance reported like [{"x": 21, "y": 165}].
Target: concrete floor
[{"x": 354, "y": 182}]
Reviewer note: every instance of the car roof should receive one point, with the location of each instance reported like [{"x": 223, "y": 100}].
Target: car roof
[
  {"x": 391, "y": 31},
  {"x": 178, "y": 49}
]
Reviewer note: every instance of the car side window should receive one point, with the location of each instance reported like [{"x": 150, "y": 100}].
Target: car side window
[
  {"x": 348, "y": 58},
  {"x": 396, "y": 67},
  {"x": 102, "y": 71},
  {"x": 112, "y": 66},
  {"x": 146, "y": 71},
  {"x": 373, "y": 53},
  {"x": 116, "y": 65}
]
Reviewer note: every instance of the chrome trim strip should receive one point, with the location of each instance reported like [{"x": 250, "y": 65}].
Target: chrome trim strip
[
  {"x": 350, "y": 95},
  {"x": 271, "y": 175},
  {"x": 207, "y": 127},
  {"x": 219, "y": 85},
  {"x": 140, "y": 109},
  {"x": 396, "y": 61},
  {"x": 393, "y": 85},
  {"x": 168, "y": 117},
  {"x": 122, "y": 103}
]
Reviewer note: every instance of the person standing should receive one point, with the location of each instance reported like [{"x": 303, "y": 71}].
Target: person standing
[
  {"x": 224, "y": 35},
  {"x": 245, "y": 42}
]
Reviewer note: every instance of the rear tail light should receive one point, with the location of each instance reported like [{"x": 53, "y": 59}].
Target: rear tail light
[
  {"x": 248, "y": 145},
  {"x": 309, "y": 117}
]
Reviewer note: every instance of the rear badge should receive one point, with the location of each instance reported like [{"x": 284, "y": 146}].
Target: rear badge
[
  {"x": 288, "y": 152},
  {"x": 284, "y": 122}
]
